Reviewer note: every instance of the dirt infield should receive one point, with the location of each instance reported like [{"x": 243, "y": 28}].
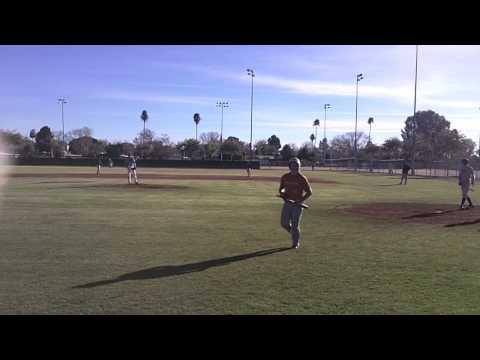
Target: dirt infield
[
  {"x": 148, "y": 176},
  {"x": 447, "y": 215}
]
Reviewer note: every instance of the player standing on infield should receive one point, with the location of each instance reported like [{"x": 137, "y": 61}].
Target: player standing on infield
[
  {"x": 132, "y": 169},
  {"x": 466, "y": 177},
  {"x": 405, "y": 169},
  {"x": 99, "y": 164},
  {"x": 249, "y": 166},
  {"x": 294, "y": 189}
]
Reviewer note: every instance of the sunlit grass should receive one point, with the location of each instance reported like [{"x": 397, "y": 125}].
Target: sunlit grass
[{"x": 97, "y": 246}]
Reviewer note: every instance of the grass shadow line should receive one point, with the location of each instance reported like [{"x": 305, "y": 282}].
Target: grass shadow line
[{"x": 174, "y": 270}]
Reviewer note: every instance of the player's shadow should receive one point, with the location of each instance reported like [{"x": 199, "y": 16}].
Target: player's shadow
[
  {"x": 173, "y": 270},
  {"x": 464, "y": 223},
  {"x": 389, "y": 184}
]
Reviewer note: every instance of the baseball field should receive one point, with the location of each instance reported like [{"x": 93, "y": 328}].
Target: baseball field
[{"x": 193, "y": 241}]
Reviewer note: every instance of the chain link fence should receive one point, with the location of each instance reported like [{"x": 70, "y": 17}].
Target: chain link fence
[
  {"x": 442, "y": 168},
  {"x": 445, "y": 168}
]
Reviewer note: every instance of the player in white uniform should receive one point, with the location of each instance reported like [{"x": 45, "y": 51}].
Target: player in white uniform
[{"x": 132, "y": 169}]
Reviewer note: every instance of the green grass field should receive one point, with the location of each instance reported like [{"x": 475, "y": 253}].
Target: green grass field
[{"x": 75, "y": 245}]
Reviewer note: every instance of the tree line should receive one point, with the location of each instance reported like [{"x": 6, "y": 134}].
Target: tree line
[{"x": 426, "y": 137}]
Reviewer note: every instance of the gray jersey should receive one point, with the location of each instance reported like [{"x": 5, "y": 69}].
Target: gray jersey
[
  {"x": 132, "y": 164},
  {"x": 466, "y": 175}
]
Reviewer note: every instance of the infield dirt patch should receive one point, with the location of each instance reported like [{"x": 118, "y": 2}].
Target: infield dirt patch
[
  {"x": 447, "y": 215},
  {"x": 160, "y": 176}
]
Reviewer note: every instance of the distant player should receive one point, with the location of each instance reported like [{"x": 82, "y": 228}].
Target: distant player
[
  {"x": 99, "y": 164},
  {"x": 132, "y": 169},
  {"x": 405, "y": 169},
  {"x": 249, "y": 166},
  {"x": 294, "y": 189},
  {"x": 466, "y": 177}
]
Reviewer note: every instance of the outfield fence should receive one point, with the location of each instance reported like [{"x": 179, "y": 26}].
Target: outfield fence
[
  {"x": 120, "y": 162},
  {"x": 446, "y": 168}
]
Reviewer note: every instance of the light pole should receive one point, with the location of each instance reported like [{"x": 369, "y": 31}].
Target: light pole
[
  {"x": 221, "y": 104},
  {"x": 63, "y": 101},
  {"x": 325, "y": 107},
  {"x": 414, "y": 113},
  {"x": 316, "y": 123},
  {"x": 251, "y": 73},
  {"x": 359, "y": 77}
]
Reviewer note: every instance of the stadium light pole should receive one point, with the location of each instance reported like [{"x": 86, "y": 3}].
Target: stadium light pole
[
  {"x": 359, "y": 77},
  {"x": 325, "y": 107},
  {"x": 251, "y": 73},
  {"x": 412, "y": 159},
  {"x": 62, "y": 101},
  {"x": 221, "y": 104}
]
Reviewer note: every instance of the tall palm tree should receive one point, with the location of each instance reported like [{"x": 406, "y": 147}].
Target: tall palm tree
[
  {"x": 196, "y": 119},
  {"x": 144, "y": 118},
  {"x": 316, "y": 123},
  {"x": 370, "y": 122}
]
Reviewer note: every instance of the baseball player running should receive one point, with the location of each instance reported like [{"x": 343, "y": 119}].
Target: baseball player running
[{"x": 294, "y": 189}]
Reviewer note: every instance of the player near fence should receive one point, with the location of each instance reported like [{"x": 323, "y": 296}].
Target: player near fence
[
  {"x": 294, "y": 190},
  {"x": 99, "y": 164},
  {"x": 405, "y": 169},
  {"x": 248, "y": 167},
  {"x": 132, "y": 169},
  {"x": 466, "y": 179}
]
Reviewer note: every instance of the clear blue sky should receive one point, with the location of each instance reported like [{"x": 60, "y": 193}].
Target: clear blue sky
[{"x": 107, "y": 87}]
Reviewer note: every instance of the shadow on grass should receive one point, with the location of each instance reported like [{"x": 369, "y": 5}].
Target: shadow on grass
[
  {"x": 420, "y": 177},
  {"x": 133, "y": 187},
  {"x": 464, "y": 223},
  {"x": 429, "y": 214},
  {"x": 173, "y": 270},
  {"x": 389, "y": 184},
  {"x": 373, "y": 173}
]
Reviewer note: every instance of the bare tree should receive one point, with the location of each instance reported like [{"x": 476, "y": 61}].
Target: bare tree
[{"x": 209, "y": 137}]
